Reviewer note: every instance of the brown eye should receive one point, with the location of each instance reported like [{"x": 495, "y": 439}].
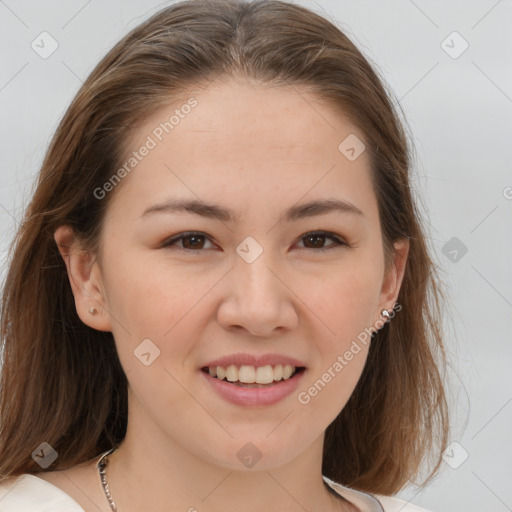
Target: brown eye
[
  {"x": 317, "y": 240},
  {"x": 189, "y": 241},
  {"x": 195, "y": 242}
]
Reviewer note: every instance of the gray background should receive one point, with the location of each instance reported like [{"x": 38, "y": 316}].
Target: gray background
[{"x": 459, "y": 110}]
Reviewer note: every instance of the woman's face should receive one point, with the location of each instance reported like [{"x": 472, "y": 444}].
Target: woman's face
[{"x": 255, "y": 287}]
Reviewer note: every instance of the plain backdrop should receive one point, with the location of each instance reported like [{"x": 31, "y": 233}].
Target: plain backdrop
[{"x": 448, "y": 64}]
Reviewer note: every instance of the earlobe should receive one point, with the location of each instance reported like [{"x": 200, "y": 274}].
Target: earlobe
[{"x": 85, "y": 280}]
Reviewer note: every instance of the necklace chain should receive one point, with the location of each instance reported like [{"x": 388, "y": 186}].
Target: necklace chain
[{"x": 102, "y": 464}]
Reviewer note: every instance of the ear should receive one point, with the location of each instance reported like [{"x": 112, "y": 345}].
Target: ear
[
  {"x": 85, "y": 278},
  {"x": 393, "y": 277}
]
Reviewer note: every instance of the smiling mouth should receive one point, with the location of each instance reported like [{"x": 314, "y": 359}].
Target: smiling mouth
[{"x": 253, "y": 376}]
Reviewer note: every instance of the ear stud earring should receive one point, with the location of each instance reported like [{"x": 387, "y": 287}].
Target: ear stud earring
[
  {"x": 93, "y": 311},
  {"x": 385, "y": 313}
]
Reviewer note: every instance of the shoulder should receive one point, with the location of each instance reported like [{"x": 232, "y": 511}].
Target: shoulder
[
  {"x": 367, "y": 502},
  {"x": 28, "y": 493},
  {"x": 392, "y": 504}
]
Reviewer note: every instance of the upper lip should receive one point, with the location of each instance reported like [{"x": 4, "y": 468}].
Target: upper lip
[{"x": 254, "y": 360}]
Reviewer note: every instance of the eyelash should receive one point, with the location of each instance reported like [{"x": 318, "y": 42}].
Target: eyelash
[{"x": 338, "y": 241}]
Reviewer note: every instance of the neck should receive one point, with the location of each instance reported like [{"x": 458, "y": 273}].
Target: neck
[{"x": 150, "y": 471}]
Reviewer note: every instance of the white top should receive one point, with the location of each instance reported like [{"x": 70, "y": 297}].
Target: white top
[{"x": 29, "y": 493}]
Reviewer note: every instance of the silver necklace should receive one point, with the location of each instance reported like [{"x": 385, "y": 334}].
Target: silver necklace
[{"x": 102, "y": 464}]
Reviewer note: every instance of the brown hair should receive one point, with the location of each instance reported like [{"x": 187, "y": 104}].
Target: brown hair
[{"x": 62, "y": 382}]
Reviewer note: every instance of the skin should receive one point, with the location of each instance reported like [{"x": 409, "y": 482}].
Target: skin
[{"x": 257, "y": 150}]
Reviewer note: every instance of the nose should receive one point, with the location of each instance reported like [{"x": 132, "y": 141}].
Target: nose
[{"x": 257, "y": 299}]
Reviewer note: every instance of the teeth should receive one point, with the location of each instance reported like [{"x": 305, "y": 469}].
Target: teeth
[
  {"x": 287, "y": 371},
  {"x": 232, "y": 373},
  {"x": 252, "y": 374},
  {"x": 247, "y": 374},
  {"x": 264, "y": 374}
]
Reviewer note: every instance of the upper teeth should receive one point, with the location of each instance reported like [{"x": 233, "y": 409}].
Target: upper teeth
[{"x": 252, "y": 374}]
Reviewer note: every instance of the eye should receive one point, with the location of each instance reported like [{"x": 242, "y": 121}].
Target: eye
[
  {"x": 195, "y": 241},
  {"x": 191, "y": 241},
  {"x": 318, "y": 238}
]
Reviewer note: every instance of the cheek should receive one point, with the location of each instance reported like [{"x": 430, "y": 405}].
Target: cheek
[
  {"x": 325, "y": 393},
  {"x": 331, "y": 382},
  {"x": 343, "y": 299},
  {"x": 152, "y": 298},
  {"x": 346, "y": 307},
  {"x": 147, "y": 302}
]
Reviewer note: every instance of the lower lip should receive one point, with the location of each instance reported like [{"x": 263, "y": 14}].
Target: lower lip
[{"x": 254, "y": 396}]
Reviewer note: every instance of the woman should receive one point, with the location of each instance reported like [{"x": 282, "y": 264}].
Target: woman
[{"x": 221, "y": 297}]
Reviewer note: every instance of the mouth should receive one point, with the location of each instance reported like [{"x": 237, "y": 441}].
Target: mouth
[{"x": 248, "y": 376}]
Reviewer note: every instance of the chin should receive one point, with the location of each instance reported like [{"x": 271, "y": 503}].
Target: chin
[{"x": 247, "y": 455}]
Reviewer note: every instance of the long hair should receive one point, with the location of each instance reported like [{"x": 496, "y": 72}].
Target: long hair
[{"x": 62, "y": 382}]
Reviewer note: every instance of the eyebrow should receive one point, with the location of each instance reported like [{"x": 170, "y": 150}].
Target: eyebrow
[{"x": 212, "y": 211}]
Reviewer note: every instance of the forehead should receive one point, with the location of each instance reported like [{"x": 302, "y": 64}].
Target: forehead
[
  {"x": 248, "y": 141},
  {"x": 230, "y": 114}
]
